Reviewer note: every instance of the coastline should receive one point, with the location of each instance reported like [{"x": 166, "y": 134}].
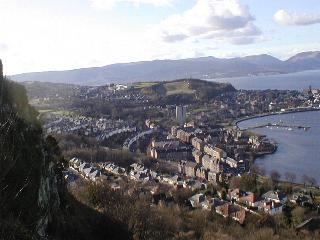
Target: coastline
[
  {"x": 287, "y": 111},
  {"x": 236, "y": 122}
]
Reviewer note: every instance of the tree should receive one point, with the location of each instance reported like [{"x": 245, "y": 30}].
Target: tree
[
  {"x": 309, "y": 180},
  {"x": 255, "y": 169},
  {"x": 305, "y": 179},
  {"x": 265, "y": 186},
  {"x": 235, "y": 182},
  {"x": 248, "y": 182},
  {"x": 312, "y": 181},
  {"x": 223, "y": 194},
  {"x": 275, "y": 176},
  {"x": 290, "y": 177}
]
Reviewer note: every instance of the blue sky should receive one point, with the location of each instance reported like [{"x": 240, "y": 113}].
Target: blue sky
[{"x": 40, "y": 35}]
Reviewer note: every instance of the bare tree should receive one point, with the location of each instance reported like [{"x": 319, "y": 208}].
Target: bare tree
[
  {"x": 290, "y": 176},
  {"x": 309, "y": 180},
  {"x": 275, "y": 176},
  {"x": 255, "y": 169},
  {"x": 235, "y": 182},
  {"x": 305, "y": 179},
  {"x": 312, "y": 181}
]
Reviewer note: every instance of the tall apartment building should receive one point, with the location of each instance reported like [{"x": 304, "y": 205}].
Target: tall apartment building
[{"x": 181, "y": 113}]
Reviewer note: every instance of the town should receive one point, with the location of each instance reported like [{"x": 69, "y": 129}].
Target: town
[{"x": 194, "y": 146}]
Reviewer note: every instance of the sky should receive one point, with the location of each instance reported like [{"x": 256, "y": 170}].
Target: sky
[{"x": 45, "y": 35}]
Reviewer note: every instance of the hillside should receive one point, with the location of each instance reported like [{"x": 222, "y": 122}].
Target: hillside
[
  {"x": 47, "y": 89},
  {"x": 183, "y": 90},
  {"x": 33, "y": 196},
  {"x": 27, "y": 165},
  {"x": 161, "y": 70}
]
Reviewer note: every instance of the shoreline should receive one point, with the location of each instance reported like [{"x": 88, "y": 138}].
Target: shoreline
[
  {"x": 287, "y": 111},
  {"x": 259, "y": 156}
]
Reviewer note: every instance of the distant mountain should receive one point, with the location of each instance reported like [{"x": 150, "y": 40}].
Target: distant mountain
[
  {"x": 161, "y": 70},
  {"x": 262, "y": 60},
  {"x": 305, "y": 60}
]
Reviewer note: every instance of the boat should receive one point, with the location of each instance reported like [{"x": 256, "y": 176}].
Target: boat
[{"x": 290, "y": 129}]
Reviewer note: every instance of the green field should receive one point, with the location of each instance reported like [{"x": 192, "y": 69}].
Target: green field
[
  {"x": 144, "y": 84},
  {"x": 45, "y": 110},
  {"x": 178, "y": 88},
  {"x": 58, "y": 112},
  {"x": 202, "y": 109}
]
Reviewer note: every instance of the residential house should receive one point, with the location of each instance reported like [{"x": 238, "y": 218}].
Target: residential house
[
  {"x": 270, "y": 207},
  {"x": 212, "y": 203},
  {"x": 197, "y": 143},
  {"x": 197, "y": 200},
  {"x": 87, "y": 171},
  {"x": 301, "y": 199},
  {"x": 195, "y": 184},
  {"x": 197, "y": 156},
  {"x": 171, "y": 154},
  {"x": 232, "y": 162},
  {"x": 185, "y": 135},
  {"x": 235, "y": 212},
  {"x": 213, "y": 177},
  {"x": 174, "y": 130},
  {"x": 83, "y": 166},
  {"x": 190, "y": 169},
  {"x": 248, "y": 198},
  {"x": 215, "y": 152},
  {"x": 275, "y": 196},
  {"x": 169, "y": 144},
  {"x": 201, "y": 172},
  {"x": 212, "y": 164}
]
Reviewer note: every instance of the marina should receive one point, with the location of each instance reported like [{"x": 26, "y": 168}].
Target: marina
[{"x": 298, "y": 151}]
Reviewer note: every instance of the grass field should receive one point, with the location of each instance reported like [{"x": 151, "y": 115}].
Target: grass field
[
  {"x": 197, "y": 110},
  {"x": 144, "y": 84},
  {"x": 45, "y": 110},
  {"x": 178, "y": 88},
  {"x": 59, "y": 112}
]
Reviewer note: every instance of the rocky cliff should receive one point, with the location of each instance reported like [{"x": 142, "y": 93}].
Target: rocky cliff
[{"x": 28, "y": 169}]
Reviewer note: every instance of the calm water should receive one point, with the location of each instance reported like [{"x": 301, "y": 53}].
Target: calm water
[
  {"x": 298, "y": 150},
  {"x": 292, "y": 81}
]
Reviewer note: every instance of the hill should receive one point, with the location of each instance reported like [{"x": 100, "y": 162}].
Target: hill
[
  {"x": 33, "y": 196},
  {"x": 305, "y": 60},
  {"x": 161, "y": 70},
  {"x": 28, "y": 186},
  {"x": 47, "y": 89},
  {"x": 183, "y": 90}
]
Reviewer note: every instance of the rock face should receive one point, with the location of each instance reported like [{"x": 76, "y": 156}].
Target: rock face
[{"x": 28, "y": 183}]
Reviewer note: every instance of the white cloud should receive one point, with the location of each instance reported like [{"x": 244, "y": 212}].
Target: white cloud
[
  {"x": 211, "y": 19},
  {"x": 109, "y": 4},
  {"x": 293, "y": 18}
]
